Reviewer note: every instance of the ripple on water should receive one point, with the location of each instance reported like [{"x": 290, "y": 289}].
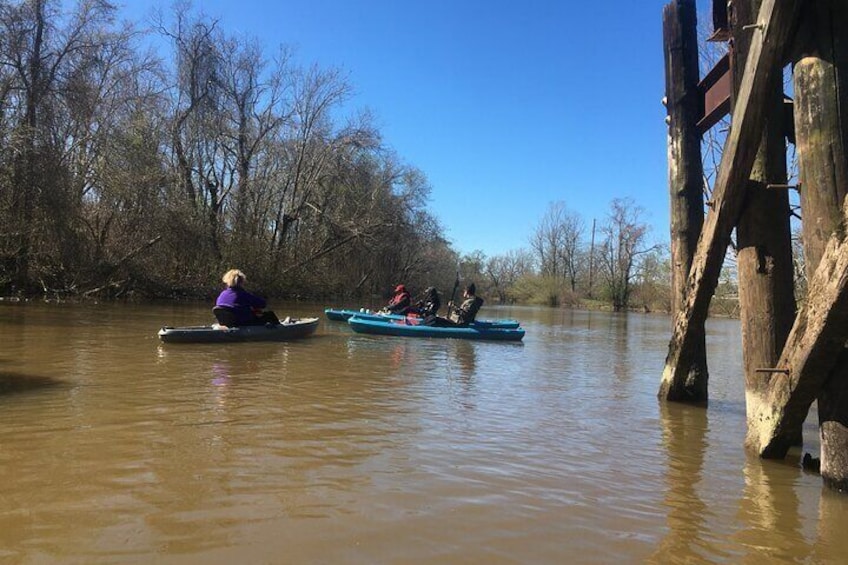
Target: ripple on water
[{"x": 351, "y": 448}]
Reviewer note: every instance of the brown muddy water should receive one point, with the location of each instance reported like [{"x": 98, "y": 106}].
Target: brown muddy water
[{"x": 344, "y": 448}]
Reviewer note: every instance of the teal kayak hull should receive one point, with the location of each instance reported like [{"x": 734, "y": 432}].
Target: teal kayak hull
[
  {"x": 342, "y": 315},
  {"x": 401, "y": 328}
]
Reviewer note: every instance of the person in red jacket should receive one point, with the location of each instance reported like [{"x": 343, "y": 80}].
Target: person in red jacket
[{"x": 400, "y": 302}]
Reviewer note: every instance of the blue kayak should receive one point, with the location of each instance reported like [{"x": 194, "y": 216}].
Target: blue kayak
[
  {"x": 341, "y": 315},
  {"x": 401, "y": 328}
]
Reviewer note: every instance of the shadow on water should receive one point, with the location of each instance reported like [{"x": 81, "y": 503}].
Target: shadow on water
[{"x": 11, "y": 383}]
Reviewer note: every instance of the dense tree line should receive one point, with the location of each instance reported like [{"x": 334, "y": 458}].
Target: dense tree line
[{"x": 127, "y": 171}]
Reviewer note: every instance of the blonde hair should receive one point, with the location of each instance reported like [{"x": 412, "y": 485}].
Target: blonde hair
[{"x": 233, "y": 278}]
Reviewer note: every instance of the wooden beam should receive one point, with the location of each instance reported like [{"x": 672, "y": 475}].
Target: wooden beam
[
  {"x": 763, "y": 236},
  {"x": 820, "y": 365},
  {"x": 811, "y": 351},
  {"x": 774, "y": 25}
]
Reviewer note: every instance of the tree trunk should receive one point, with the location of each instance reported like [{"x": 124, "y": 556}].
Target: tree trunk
[
  {"x": 27, "y": 178},
  {"x": 764, "y": 260},
  {"x": 592, "y": 262},
  {"x": 685, "y": 169}
]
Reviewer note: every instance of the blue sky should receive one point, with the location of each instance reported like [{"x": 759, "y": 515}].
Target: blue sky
[{"x": 505, "y": 106}]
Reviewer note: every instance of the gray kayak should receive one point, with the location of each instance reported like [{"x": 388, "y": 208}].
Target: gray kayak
[{"x": 292, "y": 328}]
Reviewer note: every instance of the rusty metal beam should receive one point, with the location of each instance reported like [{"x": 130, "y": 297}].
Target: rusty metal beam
[
  {"x": 721, "y": 26},
  {"x": 715, "y": 88}
]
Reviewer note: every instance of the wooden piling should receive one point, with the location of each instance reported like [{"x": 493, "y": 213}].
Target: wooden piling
[
  {"x": 814, "y": 355},
  {"x": 750, "y": 195},
  {"x": 812, "y": 349},
  {"x": 821, "y": 125},
  {"x": 763, "y": 234},
  {"x": 685, "y": 169}
]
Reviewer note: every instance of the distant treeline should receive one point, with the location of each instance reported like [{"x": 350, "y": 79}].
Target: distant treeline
[{"x": 127, "y": 170}]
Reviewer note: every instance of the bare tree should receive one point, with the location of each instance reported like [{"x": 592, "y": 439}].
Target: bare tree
[
  {"x": 196, "y": 136},
  {"x": 63, "y": 84},
  {"x": 652, "y": 289},
  {"x": 556, "y": 244},
  {"x": 504, "y": 271},
  {"x": 257, "y": 106},
  {"x": 625, "y": 236},
  {"x": 224, "y": 155}
]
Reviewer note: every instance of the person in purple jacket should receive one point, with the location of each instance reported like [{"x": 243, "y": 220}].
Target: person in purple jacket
[{"x": 246, "y": 307}]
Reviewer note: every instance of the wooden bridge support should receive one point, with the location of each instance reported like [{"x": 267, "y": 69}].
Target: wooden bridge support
[
  {"x": 685, "y": 170},
  {"x": 813, "y": 363},
  {"x": 763, "y": 234},
  {"x": 821, "y": 125},
  {"x": 811, "y": 352},
  {"x": 774, "y": 24}
]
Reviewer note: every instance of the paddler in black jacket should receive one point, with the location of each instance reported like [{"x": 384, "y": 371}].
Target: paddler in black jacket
[{"x": 429, "y": 305}]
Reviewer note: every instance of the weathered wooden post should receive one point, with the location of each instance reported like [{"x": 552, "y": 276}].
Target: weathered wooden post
[
  {"x": 763, "y": 235},
  {"x": 821, "y": 126},
  {"x": 685, "y": 170},
  {"x": 775, "y": 23}
]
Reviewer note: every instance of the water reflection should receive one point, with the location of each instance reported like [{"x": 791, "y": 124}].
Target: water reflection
[
  {"x": 374, "y": 449},
  {"x": 464, "y": 358},
  {"x": 399, "y": 354},
  {"x": 683, "y": 430},
  {"x": 830, "y": 536},
  {"x": 465, "y": 355},
  {"x": 260, "y": 431},
  {"x": 230, "y": 367},
  {"x": 622, "y": 364},
  {"x": 770, "y": 512}
]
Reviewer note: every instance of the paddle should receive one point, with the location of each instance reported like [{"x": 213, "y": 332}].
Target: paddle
[{"x": 453, "y": 292}]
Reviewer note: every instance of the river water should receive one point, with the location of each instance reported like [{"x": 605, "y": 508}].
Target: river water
[{"x": 345, "y": 448}]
